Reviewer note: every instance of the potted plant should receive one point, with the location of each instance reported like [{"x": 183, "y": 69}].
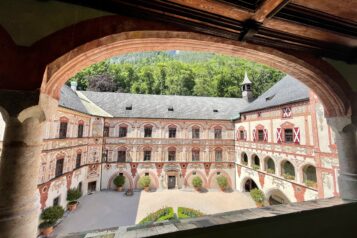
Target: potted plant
[
  {"x": 288, "y": 176},
  {"x": 73, "y": 195},
  {"x": 119, "y": 181},
  {"x": 222, "y": 182},
  {"x": 144, "y": 182},
  {"x": 258, "y": 196},
  {"x": 49, "y": 218},
  {"x": 256, "y": 167},
  {"x": 197, "y": 183},
  {"x": 271, "y": 171},
  {"x": 310, "y": 183}
]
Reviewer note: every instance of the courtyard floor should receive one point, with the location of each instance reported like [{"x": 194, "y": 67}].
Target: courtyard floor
[{"x": 112, "y": 209}]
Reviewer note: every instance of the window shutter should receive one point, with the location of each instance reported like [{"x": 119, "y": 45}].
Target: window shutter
[
  {"x": 254, "y": 135},
  {"x": 245, "y": 135},
  {"x": 265, "y": 135},
  {"x": 297, "y": 135},
  {"x": 279, "y": 135}
]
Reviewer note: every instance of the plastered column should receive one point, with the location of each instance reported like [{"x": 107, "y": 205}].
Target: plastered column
[
  {"x": 20, "y": 162},
  {"x": 346, "y": 141}
]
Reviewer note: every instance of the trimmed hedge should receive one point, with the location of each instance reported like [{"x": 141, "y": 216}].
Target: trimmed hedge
[
  {"x": 197, "y": 182},
  {"x": 163, "y": 214},
  {"x": 257, "y": 195},
  {"x": 184, "y": 212},
  {"x": 119, "y": 181}
]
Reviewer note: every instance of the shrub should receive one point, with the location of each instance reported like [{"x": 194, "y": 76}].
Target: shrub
[
  {"x": 288, "y": 176},
  {"x": 222, "y": 181},
  {"x": 119, "y": 180},
  {"x": 50, "y": 215},
  {"x": 197, "y": 182},
  {"x": 73, "y": 194},
  {"x": 257, "y": 195},
  {"x": 271, "y": 171},
  {"x": 184, "y": 212},
  {"x": 144, "y": 181},
  {"x": 310, "y": 183},
  {"x": 256, "y": 167},
  {"x": 163, "y": 214}
]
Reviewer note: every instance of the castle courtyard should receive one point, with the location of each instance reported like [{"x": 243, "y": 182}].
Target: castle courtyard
[{"x": 112, "y": 209}]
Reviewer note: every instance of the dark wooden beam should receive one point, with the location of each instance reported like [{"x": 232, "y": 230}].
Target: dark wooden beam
[{"x": 268, "y": 9}]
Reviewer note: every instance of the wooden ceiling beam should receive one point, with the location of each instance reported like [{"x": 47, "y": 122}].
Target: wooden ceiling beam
[{"x": 268, "y": 9}]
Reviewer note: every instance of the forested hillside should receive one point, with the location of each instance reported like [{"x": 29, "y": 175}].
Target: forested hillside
[{"x": 176, "y": 73}]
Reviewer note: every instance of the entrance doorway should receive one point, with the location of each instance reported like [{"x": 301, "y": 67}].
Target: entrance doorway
[
  {"x": 171, "y": 184},
  {"x": 92, "y": 186}
]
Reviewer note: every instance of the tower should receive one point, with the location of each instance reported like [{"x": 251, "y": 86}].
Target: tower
[{"x": 247, "y": 93}]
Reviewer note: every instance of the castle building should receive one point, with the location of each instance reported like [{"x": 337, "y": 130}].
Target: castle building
[{"x": 279, "y": 142}]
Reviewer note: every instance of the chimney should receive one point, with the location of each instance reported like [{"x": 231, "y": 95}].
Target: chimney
[{"x": 74, "y": 85}]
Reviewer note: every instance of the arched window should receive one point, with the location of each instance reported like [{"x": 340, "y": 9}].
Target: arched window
[
  {"x": 218, "y": 155},
  {"x": 123, "y": 131},
  {"x": 63, "y": 127},
  {"x": 309, "y": 175},
  {"x": 256, "y": 162},
  {"x": 287, "y": 170},
  {"x": 270, "y": 165},
  {"x": 172, "y": 131},
  {"x": 122, "y": 155},
  {"x": 148, "y": 131},
  {"x": 80, "y": 129},
  {"x": 218, "y": 132},
  {"x": 147, "y": 154},
  {"x": 172, "y": 154},
  {"x": 244, "y": 158},
  {"x": 78, "y": 159},
  {"x": 195, "y": 154},
  {"x": 195, "y": 132}
]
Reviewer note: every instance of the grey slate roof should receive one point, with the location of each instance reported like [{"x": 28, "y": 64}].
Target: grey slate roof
[
  {"x": 156, "y": 106},
  {"x": 70, "y": 99},
  {"x": 287, "y": 90}
]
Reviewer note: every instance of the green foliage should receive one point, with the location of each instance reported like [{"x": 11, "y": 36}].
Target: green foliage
[
  {"x": 184, "y": 212},
  {"x": 256, "y": 167},
  {"x": 119, "y": 181},
  {"x": 73, "y": 194},
  {"x": 271, "y": 171},
  {"x": 144, "y": 181},
  {"x": 163, "y": 214},
  {"x": 197, "y": 182},
  {"x": 222, "y": 181},
  {"x": 257, "y": 195},
  {"x": 288, "y": 176},
  {"x": 310, "y": 183},
  {"x": 51, "y": 214},
  {"x": 186, "y": 73}
]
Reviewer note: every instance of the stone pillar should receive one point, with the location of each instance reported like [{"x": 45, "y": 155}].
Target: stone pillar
[
  {"x": 20, "y": 162},
  {"x": 346, "y": 141}
]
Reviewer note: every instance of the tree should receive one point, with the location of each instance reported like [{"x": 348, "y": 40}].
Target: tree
[{"x": 102, "y": 83}]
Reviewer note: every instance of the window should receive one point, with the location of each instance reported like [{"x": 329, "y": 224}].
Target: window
[
  {"x": 129, "y": 107},
  {"x": 121, "y": 156},
  {"x": 218, "y": 155},
  {"x": 215, "y": 110},
  {"x": 195, "y": 155},
  {"x": 147, "y": 155},
  {"x": 78, "y": 160},
  {"x": 218, "y": 133},
  {"x": 260, "y": 135},
  {"x": 172, "y": 132},
  {"x": 63, "y": 130},
  {"x": 241, "y": 135},
  {"x": 123, "y": 130},
  {"x": 106, "y": 131},
  {"x": 56, "y": 201},
  {"x": 59, "y": 167},
  {"x": 172, "y": 155},
  {"x": 146, "y": 174},
  {"x": 80, "y": 186},
  {"x": 286, "y": 113},
  {"x": 80, "y": 130},
  {"x": 288, "y": 134},
  {"x": 195, "y": 133},
  {"x": 170, "y": 109},
  {"x": 148, "y": 131}
]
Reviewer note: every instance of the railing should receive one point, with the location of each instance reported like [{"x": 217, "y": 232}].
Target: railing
[{"x": 51, "y": 144}]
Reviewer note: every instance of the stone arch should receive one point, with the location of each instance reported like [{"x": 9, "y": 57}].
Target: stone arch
[
  {"x": 153, "y": 178},
  {"x": 213, "y": 184},
  {"x": 269, "y": 165},
  {"x": 275, "y": 196},
  {"x": 288, "y": 168},
  {"x": 137, "y": 35},
  {"x": 188, "y": 178},
  {"x": 255, "y": 161},
  {"x": 128, "y": 180},
  {"x": 243, "y": 186},
  {"x": 244, "y": 159},
  {"x": 308, "y": 174}
]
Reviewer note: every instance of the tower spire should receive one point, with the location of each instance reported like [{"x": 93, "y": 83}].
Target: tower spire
[{"x": 247, "y": 93}]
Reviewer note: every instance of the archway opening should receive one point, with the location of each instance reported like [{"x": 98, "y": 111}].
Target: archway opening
[
  {"x": 270, "y": 165},
  {"x": 309, "y": 176},
  {"x": 256, "y": 162},
  {"x": 249, "y": 185},
  {"x": 277, "y": 197},
  {"x": 244, "y": 158},
  {"x": 288, "y": 170}
]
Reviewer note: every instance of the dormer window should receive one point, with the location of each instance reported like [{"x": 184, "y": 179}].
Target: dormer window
[
  {"x": 215, "y": 110},
  {"x": 170, "y": 109},
  {"x": 269, "y": 98},
  {"x": 129, "y": 107}
]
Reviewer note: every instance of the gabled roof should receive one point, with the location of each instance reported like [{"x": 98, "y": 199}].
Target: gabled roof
[
  {"x": 287, "y": 90},
  {"x": 69, "y": 99},
  {"x": 157, "y": 106}
]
